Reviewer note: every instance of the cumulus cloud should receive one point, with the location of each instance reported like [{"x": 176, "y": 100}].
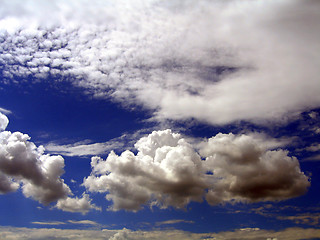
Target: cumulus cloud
[
  {"x": 168, "y": 171},
  {"x": 209, "y": 60},
  {"x": 247, "y": 171},
  {"x": 24, "y": 164},
  {"x": 165, "y": 170},
  {"x": 76, "y": 204}
]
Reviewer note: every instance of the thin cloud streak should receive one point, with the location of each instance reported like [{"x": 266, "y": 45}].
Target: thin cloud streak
[
  {"x": 5, "y": 111},
  {"x": 49, "y": 223}
]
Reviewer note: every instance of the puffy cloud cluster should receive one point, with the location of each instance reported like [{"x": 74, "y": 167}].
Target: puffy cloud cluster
[
  {"x": 76, "y": 204},
  {"x": 23, "y": 163},
  {"x": 168, "y": 171},
  {"x": 209, "y": 60}
]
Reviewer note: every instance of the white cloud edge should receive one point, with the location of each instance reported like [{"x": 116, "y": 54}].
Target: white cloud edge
[{"x": 5, "y": 111}]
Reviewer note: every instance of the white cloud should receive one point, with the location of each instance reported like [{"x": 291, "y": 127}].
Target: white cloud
[
  {"x": 79, "y": 149},
  {"x": 49, "y": 223},
  {"x": 170, "y": 57},
  {"x": 4, "y": 121},
  {"x": 5, "y": 111},
  {"x": 306, "y": 218},
  {"x": 85, "y": 222},
  {"x": 23, "y": 163},
  {"x": 123, "y": 234},
  {"x": 248, "y": 171},
  {"x": 174, "y": 221},
  {"x": 167, "y": 171},
  {"x": 76, "y": 204},
  {"x": 87, "y": 148}
]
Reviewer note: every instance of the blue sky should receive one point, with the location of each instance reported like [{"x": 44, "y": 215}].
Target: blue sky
[{"x": 159, "y": 119}]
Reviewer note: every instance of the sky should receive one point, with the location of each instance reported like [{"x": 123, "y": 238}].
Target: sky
[{"x": 151, "y": 119}]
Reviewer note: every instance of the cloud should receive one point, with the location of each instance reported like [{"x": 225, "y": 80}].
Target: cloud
[
  {"x": 76, "y": 204},
  {"x": 4, "y": 121},
  {"x": 123, "y": 234},
  {"x": 80, "y": 149},
  {"x": 24, "y": 164},
  {"x": 313, "y": 148},
  {"x": 53, "y": 233},
  {"x": 45, "y": 233},
  {"x": 49, "y": 223},
  {"x": 308, "y": 219},
  {"x": 248, "y": 171},
  {"x": 165, "y": 170},
  {"x": 168, "y": 171},
  {"x": 175, "y": 221},
  {"x": 85, "y": 222},
  {"x": 5, "y": 111},
  {"x": 214, "y": 61},
  {"x": 87, "y": 148}
]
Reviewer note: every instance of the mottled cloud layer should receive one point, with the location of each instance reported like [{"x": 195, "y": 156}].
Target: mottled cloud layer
[
  {"x": 168, "y": 171},
  {"x": 125, "y": 234},
  {"x": 23, "y": 164},
  {"x": 215, "y": 61}
]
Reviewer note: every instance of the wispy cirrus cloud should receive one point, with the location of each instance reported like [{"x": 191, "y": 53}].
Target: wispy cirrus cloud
[
  {"x": 305, "y": 218},
  {"x": 54, "y": 223},
  {"x": 85, "y": 222},
  {"x": 84, "y": 149},
  {"x": 88, "y": 148}
]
